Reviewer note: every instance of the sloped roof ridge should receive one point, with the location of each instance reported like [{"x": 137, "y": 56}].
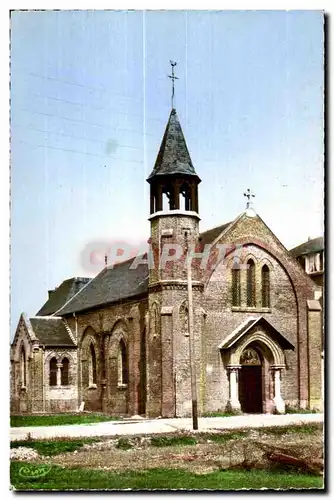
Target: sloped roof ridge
[
  {"x": 315, "y": 244},
  {"x": 239, "y": 328},
  {"x": 69, "y": 331},
  {"x": 49, "y": 316},
  {"x": 68, "y": 301}
]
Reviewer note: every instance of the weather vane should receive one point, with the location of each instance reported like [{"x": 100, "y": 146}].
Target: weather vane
[
  {"x": 249, "y": 195},
  {"x": 173, "y": 78}
]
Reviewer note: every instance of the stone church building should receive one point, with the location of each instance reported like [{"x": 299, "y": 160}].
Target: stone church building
[{"x": 119, "y": 343}]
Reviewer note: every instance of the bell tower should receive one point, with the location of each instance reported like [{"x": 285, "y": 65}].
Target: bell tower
[
  {"x": 173, "y": 203},
  {"x": 174, "y": 222},
  {"x": 173, "y": 181}
]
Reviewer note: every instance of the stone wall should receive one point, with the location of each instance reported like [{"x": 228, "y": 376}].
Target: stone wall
[
  {"x": 26, "y": 390},
  {"x": 155, "y": 332},
  {"x": 291, "y": 288},
  {"x": 104, "y": 328},
  {"x": 168, "y": 372},
  {"x": 36, "y": 395},
  {"x": 314, "y": 354},
  {"x": 61, "y": 398},
  {"x": 222, "y": 319}
]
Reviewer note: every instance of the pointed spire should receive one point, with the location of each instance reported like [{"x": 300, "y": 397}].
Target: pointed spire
[{"x": 173, "y": 157}]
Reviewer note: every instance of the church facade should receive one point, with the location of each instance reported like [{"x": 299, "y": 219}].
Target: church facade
[{"x": 119, "y": 343}]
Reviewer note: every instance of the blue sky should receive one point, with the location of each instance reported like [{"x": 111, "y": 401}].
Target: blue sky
[{"x": 90, "y": 99}]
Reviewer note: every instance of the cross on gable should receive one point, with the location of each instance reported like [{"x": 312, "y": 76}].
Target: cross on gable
[{"x": 249, "y": 195}]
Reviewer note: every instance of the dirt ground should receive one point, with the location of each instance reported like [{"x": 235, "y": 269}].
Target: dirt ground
[{"x": 205, "y": 457}]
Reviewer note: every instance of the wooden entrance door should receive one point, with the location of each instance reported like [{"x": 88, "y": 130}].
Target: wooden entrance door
[{"x": 250, "y": 389}]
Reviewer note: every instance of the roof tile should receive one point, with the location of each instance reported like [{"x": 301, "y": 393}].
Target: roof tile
[
  {"x": 173, "y": 157},
  {"x": 51, "y": 331}
]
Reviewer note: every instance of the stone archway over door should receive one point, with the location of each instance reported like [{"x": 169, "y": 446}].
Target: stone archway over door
[
  {"x": 251, "y": 382},
  {"x": 253, "y": 355}
]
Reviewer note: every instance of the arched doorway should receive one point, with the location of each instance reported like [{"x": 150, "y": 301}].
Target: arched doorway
[
  {"x": 251, "y": 380},
  {"x": 254, "y": 359}
]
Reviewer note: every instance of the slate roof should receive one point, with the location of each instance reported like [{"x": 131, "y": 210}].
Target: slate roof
[
  {"x": 110, "y": 285},
  {"x": 51, "y": 331},
  {"x": 173, "y": 157},
  {"x": 210, "y": 235},
  {"x": 120, "y": 282},
  {"x": 310, "y": 246},
  {"x": 247, "y": 325},
  {"x": 61, "y": 295}
]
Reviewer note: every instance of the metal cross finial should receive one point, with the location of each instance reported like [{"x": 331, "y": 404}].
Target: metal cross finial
[
  {"x": 249, "y": 195},
  {"x": 173, "y": 77}
]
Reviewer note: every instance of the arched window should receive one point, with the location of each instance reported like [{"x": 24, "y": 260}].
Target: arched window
[
  {"x": 236, "y": 290},
  {"x": 185, "y": 195},
  {"x": 53, "y": 371},
  {"x": 251, "y": 283},
  {"x": 64, "y": 372},
  {"x": 92, "y": 366},
  {"x": 265, "y": 279},
  {"x": 167, "y": 198},
  {"x": 23, "y": 363},
  {"x": 122, "y": 364}
]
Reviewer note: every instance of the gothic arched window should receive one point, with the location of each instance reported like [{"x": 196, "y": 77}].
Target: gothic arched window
[
  {"x": 53, "y": 372},
  {"x": 65, "y": 372},
  {"x": 251, "y": 302},
  {"x": 23, "y": 363},
  {"x": 265, "y": 280},
  {"x": 122, "y": 364},
  {"x": 236, "y": 290},
  {"x": 92, "y": 366}
]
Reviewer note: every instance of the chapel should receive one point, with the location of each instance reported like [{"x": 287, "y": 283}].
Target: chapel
[{"x": 119, "y": 343}]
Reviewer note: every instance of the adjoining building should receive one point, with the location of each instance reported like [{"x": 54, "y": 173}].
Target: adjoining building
[{"x": 310, "y": 256}]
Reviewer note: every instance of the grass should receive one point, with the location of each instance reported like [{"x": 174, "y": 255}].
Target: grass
[
  {"x": 290, "y": 410},
  {"x": 289, "y": 429},
  {"x": 160, "y": 441},
  {"x": 58, "y": 478},
  {"x": 52, "y": 447},
  {"x": 227, "y": 436},
  {"x": 219, "y": 414},
  {"x": 62, "y": 419}
]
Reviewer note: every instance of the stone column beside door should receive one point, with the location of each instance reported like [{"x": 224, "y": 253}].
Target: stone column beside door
[
  {"x": 233, "y": 404},
  {"x": 278, "y": 400}
]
